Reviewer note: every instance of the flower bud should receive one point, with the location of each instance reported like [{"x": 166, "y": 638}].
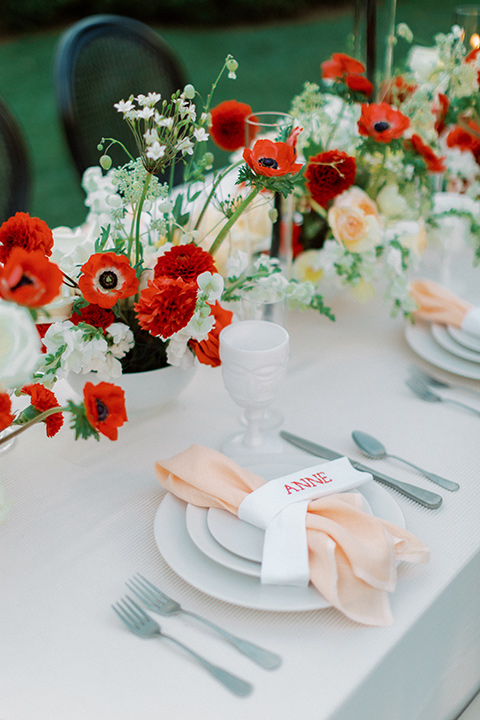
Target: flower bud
[
  {"x": 189, "y": 91},
  {"x": 106, "y": 162}
]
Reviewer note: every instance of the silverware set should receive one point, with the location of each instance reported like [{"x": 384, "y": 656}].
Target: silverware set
[
  {"x": 139, "y": 622},
  {"x": 426, "y": 387}
]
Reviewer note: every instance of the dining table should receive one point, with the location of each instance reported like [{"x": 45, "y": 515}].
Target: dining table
[{"x": 84, "y": 520}]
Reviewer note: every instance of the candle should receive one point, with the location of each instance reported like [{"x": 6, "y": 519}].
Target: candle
[{"x": 468, "y": 17}]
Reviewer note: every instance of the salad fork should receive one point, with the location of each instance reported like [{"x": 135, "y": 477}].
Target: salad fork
[
  {"x": 425, "y": 393},
  {"x": 435, "y": 382},
  {"x": 144, "y": 626},
  {"x": 157, "y": 601}
]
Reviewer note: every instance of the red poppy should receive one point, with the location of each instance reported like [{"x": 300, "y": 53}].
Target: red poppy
[
  {"x": 328, "y": 174},
  {"x": 6, "y": 415},
  {"x": 358, "y": 84},
  {"x": 440, "y": 112},
  {"x": 93, "y": 315},
  {"x": 271, "y": 159},
  {"x": 29, "y": 278},
  {"x": 26, "y": 232},
  {"x": 185, "y": 261},
  {"x": 340, "y": 65},
  {"x": 397, "y": 90},
  {"x": 106, "y": 278},
  {"x": 207, "y": 351},
  {"x": 166, "y": 306},
  {"x": 382, "y": 122},
  {"x": 228, "y": 125},
  {"x": 41, "y": 398},
  {"x": 105, "y": 407},
  {"x": 461, "y": 138},
  {"x": 433, "y": 162}
]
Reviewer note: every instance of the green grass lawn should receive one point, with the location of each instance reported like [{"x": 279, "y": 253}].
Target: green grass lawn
[{"x": 274, "y": 61}]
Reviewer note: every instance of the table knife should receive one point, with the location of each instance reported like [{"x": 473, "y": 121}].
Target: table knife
[{"x": 424, "y": 497}]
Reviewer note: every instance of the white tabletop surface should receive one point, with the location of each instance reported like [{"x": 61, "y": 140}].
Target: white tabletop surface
[{"x": 81, "y": 524}]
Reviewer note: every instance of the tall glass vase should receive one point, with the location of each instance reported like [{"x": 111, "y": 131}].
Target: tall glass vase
[{"x": 374, "y": 39}]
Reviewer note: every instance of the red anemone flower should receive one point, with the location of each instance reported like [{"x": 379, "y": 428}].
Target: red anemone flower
[
  {"x": 106, "y": 278},
  {"x": 166, "y": 306},
  {"x": 207, "y": 351},
  {"x": 6, "y": 415},
  {"x": 93, "y": 315},
  {"x": 185, "y": 261},
  {"x": 340, "y": 65},
  {"x": 328, "y": 174},
  {"x": 271, "y": 159},
  {"x": 105, "y": 407},
  {"x": 43, "y": 399},
  {"x": 358, "y": 84},
  {"x": 433, "y": 162},
  {"x": 228, "y": 125},
  {"x": 382, "y": 122},
  {"x": 29, "y": 278},
  {"x": 29, "y": 233}
]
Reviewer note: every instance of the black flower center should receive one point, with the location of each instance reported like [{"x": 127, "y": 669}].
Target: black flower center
[
  {"x": 268, "y": 162},
  {"x": 24, "y": 280},
  {"x": 102, "y": 410},
  {"x": 381, "y": 126},
  {"x": 108, "y": 280}
]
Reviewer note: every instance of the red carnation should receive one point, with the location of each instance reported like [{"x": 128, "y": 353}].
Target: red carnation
[
  {"x": 43, "y": 399},
  {"x": 207, "y": 351},
  {"x": 271, "y": 159},
  {"x": 29, "y": 278},
  {"x": 465, "y": 140},
  {"x": 433, "y": 162},
  {"x": 340, "y": 65},
  {"x": 105, "y": 407},
  {"x": 26, "y": 232},
  {"x": 228, "y": 125},
  {"x": 358, "y": 84},
  {"x": 166, "y": 306},
  {"x": 93, "y": 315},
  {"x": 184, "y": 261},
  {"x": 328, "y": 174},
  {"x": 6, "y": 415},
  {"x": 106, "y": 278},
  {"x": 382, "y": 122}
]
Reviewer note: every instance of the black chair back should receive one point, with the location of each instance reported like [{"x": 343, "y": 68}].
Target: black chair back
[
  {"x": 15, "y": 173},
  {"x": 99, "y": 61}
]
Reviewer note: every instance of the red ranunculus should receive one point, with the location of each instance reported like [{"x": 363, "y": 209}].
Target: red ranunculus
[
  {"x": 6, "y": 415},
  {"x": 207, "y": 351},
  {"x": 105, "y": 407},
  {"x": 328, "y": 174},
  {"x": 434, "y": 163},
  {"x": 461, "y": 138},
  {"x": 228, "y": 125},
  {"x": 166, "y": 306},
  {"x": 26, "y": 232},
  {"x": 93, "y": 315},
  {"x": 271, "y": 159},
  {"x": 106, "y": 278},
  {"x": 382, "y": 122},
  {"x": 29, "y": 278},
  {"x": 358, "y": 84},
  {"x": 185, "y": 261},
  {"x": 43, "y": 399},
  {"x": 340, "y": 65}
]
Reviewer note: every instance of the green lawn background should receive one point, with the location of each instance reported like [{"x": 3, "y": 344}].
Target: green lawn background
[{"x": 274, "y": 62}]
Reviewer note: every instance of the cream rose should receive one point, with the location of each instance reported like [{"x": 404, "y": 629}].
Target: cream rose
[
  {"x": 19, "y": 346},
  {"x": 354, "y": 222}
]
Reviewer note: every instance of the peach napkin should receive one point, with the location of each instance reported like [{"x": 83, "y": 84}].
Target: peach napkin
[
  {"x": 438, "y": 305},
  {"x": 353, "y": 555}
]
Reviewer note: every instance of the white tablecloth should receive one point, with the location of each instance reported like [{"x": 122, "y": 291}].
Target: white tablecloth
[{"x": 81, "y": 524}]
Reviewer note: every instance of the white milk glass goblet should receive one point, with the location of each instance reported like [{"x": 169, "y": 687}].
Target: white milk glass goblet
[{"x": 254, "y": 356}]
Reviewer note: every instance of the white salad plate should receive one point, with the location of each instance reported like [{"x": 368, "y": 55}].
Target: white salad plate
[
  {"x": 421, "y": 341},
  {"x": 441, "y": 335},
  {"x": 468, "y": 340}
]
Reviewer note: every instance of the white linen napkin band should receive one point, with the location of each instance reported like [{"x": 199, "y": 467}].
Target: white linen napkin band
[
  {"x": 471, "y": 321},
  {"x": 280, "y": 506}
]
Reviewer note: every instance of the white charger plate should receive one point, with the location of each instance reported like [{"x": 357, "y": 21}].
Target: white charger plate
[
  {"x": 420, "y": 340},
  {"x": 441, "y": 335},
  {"x": 468, "y": 340}
]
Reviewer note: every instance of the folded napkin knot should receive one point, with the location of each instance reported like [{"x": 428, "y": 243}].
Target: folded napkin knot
[{"x": 280, "y": 506}]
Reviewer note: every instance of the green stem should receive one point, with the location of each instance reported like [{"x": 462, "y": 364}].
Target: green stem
[
  {"x": 138, "y": 218},
  {"x": 233, "y": 219},
  {"x": 216, "y": 183},
  {"x": 38, "y": 418}
]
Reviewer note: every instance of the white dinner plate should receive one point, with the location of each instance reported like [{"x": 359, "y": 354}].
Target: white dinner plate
[
  {"x": 468, "y": 340},
  {"x": 441, "y": 335},
  {"x": 232, "y": 585},
  {"x": 420, "y": 340}
]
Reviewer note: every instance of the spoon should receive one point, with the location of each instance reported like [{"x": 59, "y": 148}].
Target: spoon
[{"x": 374, "y": 449}]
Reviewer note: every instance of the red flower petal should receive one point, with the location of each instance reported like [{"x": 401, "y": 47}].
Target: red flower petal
[
  {"x": 105, "y": 407},
  {"x": 29, "y": 278},
  {"x": 106, "y": 278},
  {"x": 6, "y": 415},
  {"x": 228, "y": 125},
  {"x": 358, "y": 84},
  {"x": 207, "y": 351},
  {"x": 166, "y": 306},
  {"x": 328, "y": 174},
  {"x": 43, "y": 399},
  {"x": 339, "y": 65},
  {"x": 433, "y": 162},
  {"x": 185, "y": 261},
  {"x": 93, "y": 315},
  {"x": 271, "y": 159},
  {"x": 26, "y": 232},
  {"x": 382, "y": 122}
]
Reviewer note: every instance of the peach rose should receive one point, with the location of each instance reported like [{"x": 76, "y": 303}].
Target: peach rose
[{"x": 354, "y": 221}]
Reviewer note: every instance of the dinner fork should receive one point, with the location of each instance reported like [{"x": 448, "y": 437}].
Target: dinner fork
[
  {"x": 435, "y": 382},
  {"x": 425, "y": 393},
  {"x": 157, "y": 601},
  {"x": 144, "y": 626}
]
